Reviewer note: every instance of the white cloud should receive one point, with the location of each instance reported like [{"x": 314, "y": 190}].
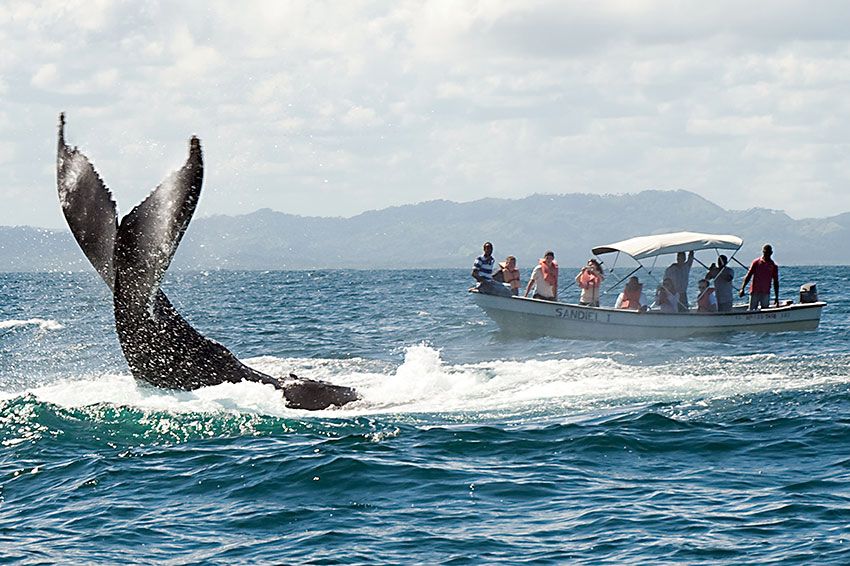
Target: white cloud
[
  {"x": 45, "y": 76},
  {"x": 357, "y": 116},
  {"x": 370, "y": 105},
  {"x": 731, "y": 125},
  {"x": 8, "y": 153}
]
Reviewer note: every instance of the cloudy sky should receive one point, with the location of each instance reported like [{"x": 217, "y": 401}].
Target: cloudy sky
[{"x": 333, "y": 108}]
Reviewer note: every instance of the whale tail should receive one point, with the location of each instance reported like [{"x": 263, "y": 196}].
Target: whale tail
[
  {"x": 87, "y": 205},
  {"x": 132, "y": 257},
  {"x": 148, "y": 235}
]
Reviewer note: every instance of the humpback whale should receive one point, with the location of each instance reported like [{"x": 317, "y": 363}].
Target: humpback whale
[{"x": 132, "y": 256}]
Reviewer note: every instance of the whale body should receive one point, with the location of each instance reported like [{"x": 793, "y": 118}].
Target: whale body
[{"x": 160, "y": 346}]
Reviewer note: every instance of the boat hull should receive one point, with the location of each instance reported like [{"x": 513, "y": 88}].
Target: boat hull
[{"x": 521, "y": 315}]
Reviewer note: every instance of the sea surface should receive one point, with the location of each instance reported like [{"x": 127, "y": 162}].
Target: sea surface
[{"x": 469, "y": 446}]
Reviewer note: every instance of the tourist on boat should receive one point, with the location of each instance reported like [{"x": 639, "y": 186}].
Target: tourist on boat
[
  {"x": 482, "y": 271},
  {"x": 762, "y": 271},
  {"x": 509, "y": 274},
  {"x": 632, "y": 297},
  {"x": 544, "y": 278},
  {"x": 706, "y": 301},
  {"x": 666, "y": 298},
  {"x": 589, "y": 280},
  {"x": 723, "y": 276},
  {"x": 679, "y": 273}
]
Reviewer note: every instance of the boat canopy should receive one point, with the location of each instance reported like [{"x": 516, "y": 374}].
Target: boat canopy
[{"x": 644, "y": 247}]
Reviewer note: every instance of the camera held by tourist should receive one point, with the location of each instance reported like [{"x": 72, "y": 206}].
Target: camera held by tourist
[{"x": 589, "y": 280}]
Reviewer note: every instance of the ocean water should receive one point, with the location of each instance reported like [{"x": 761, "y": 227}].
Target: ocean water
[{"x": 469, "y": 446}]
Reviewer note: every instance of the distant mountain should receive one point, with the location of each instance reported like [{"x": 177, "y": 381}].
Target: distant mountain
[{"x": 448, "y": 234}]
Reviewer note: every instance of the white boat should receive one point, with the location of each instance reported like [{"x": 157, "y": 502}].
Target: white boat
[{"x": 522, "y": 315}]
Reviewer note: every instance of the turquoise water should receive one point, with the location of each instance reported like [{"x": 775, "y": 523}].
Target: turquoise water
[{"x": 469, "y": 446}]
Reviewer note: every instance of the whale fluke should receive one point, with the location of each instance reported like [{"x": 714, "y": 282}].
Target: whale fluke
[
  {"x": 160, "y": 346},
  {"x": 149, "y": 234},
  {"x": 87, "y": 205}
]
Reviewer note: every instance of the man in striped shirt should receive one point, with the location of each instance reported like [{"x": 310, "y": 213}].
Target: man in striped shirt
[{"x": 482, "y": 269}]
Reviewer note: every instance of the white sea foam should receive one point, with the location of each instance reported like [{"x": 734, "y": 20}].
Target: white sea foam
[
  {"x": 425, "y": 383},
  {"x": 124, "y": 390},
  {"x": 42, "y": 323}
]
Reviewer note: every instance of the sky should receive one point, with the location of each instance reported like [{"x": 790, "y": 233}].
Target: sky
[{"x": 333, "y": 108}]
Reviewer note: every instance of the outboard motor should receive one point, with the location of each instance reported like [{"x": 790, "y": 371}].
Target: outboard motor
[{"x": 809, "y": 293}]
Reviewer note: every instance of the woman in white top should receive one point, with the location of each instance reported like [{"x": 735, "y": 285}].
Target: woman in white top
[{"x": 665, "y": 298}]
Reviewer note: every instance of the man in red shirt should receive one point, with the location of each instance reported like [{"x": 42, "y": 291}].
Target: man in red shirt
[{"x": 762, "y": 271}]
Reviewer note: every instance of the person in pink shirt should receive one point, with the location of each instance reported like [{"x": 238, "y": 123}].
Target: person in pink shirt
[{"x": 762, "y": 271}]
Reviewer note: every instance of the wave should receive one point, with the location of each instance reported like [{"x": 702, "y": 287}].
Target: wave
[
  {"x": 426, "y": 384},
  {"x": 425, "y": 391},
  {"x": 43, "y": 324}
]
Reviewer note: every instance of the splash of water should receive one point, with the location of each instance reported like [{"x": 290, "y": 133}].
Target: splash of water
[
  {"x": 43, "y": 324},
  {"x": 425, "y": 383}
]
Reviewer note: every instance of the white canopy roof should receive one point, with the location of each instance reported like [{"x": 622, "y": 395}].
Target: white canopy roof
[{"x": 643, "y": 247}]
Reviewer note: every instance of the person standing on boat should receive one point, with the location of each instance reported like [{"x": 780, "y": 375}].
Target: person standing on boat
[
  {"x": 589, "y": 280},
  {"x": 723, "y": 276},
  {"x": 762, "y": 271},
  {"x": 544, "y": 278},
  {"x": 679, "y": 273}
]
